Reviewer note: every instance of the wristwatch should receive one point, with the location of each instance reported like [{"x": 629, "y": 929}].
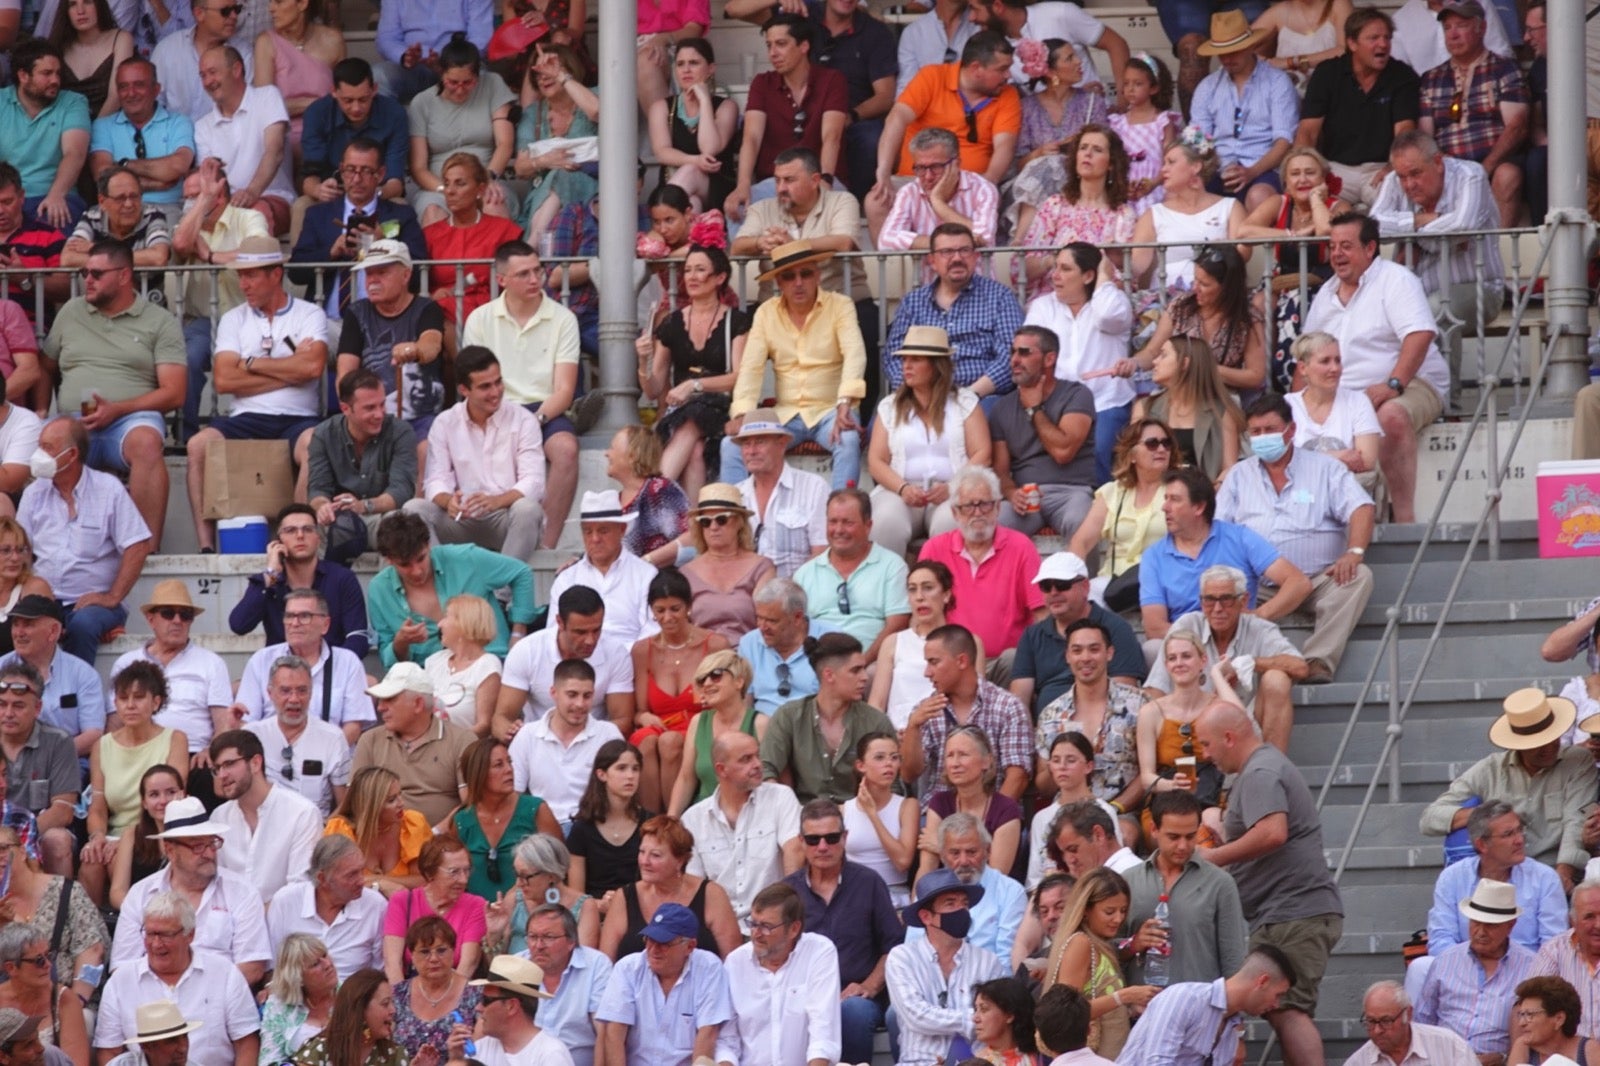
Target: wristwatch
[
  {"x": 1396, "y": 385},
  {"x": 1356, "y": 551},
  {"x": 1029, "y": 412}
]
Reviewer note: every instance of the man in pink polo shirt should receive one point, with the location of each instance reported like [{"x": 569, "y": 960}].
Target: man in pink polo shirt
[{"x": 993, "y": 568}]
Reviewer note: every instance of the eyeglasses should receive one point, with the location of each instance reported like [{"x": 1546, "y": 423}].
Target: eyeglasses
[
  {"x": 138, "y": 143},
  {"x": 784, "y": 676},
  {"x": 288, "y": 762},
  {"x": 42, "y": 961},
  {"x": 978, "y": 507},
  {"x": 1383, "y": 1022},
  {"x": 354, "y": 171},
  {"x": 951, "y": 253},
  {"x": 303, "y": 616},
  {"x": 434, "y": 952},
  {"x": 163, "y": 935},
  {"x": 1528, "y": 1015},
  {"x": 930, "y": 168},
  {"x": 719, "y": 520},
  {"x": 125, "y": 198},
  {"x": 201, "y": 846},
  {"x": 712, "y": 675},
  {"x": 1218, "y": 601},
  {"x": 844, "y": 597},
  {"x": 1163, "y": 444},
  {"x": 8, "y": 550},
  {"x": 96, "y": 275},
  {"x": 1018, "y": 349},
  {"x": 296, "y": 531},
  {"x": 1238, "y": 120},
  {"x": 17, "y": 688},
  {"x": 766, "y": 928},
  {"x": 1053, "y": 585},
  {"x": 170, "y": 613},
  {"x": 546, "y": 938},
  {"x": 800, "y": 122},
  {"x": 1456, "y": 110},
  {"x": 813, "y": 839}
]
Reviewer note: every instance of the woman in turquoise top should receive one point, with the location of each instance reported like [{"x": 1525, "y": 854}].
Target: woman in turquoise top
[
  {"x": 416, "y": 574},
  {"x": 496, "y": 817},
  {"x": 555, "y": 103},
  {"x": 722, "y": 683}
]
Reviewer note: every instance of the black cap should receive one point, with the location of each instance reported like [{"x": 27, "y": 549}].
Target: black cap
[{"x": 37, "y": 606}]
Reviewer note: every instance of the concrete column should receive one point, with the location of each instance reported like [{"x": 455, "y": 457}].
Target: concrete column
[
  {"x": 619, "y": 146},
  {"x": 1566, "y": 297}
]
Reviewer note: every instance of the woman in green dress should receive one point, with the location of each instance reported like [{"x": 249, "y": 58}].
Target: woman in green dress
[
  {"x": 496, "y": 817},
  {"x": 360, "y": 1031},
  {"x": 555, "y": 103},
  {"x": 722, "y": 682}
]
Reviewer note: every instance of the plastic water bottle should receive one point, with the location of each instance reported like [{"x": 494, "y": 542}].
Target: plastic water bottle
[{"x": 1156, "y": 966}]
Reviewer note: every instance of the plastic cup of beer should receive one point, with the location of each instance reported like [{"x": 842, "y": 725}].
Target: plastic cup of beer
[
  {"x": 88, "y": 402},
  {"x": 1185, "y": 765}
]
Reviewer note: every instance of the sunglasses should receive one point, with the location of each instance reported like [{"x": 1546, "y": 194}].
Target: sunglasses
[
  {"x": 1186, "y": 731},
  {"x": 719, "y": 520},
  {"x": 492, "y": 865},
  {"x": 169, "y": 613},
  {"x": 139, "y": 148},
  {"x": 1157, "y": 443},
  {"x": 800, "y": 122},
  {"x": 17, "y": 688},
  {"x": 844, "y": 597},
  {"x": 41, "y": 961},
  {"x": 96, "y": 275},
  {"x": 1053, "y": 585},
  {"x": 813, "y": 839},
  {"x": 784, "y": 676},
  {"x": 1238, "y": 120},
  {"x": 972, "y": 127},
  {"x": 287, "y": 756},
  {"x": 804, "y": 273},
  {"x": 229, "y": 11},
  {"x": 712, "y": 675}
]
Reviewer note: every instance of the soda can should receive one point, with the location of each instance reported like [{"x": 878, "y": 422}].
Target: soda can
[{"x": 1031, "y": 498}]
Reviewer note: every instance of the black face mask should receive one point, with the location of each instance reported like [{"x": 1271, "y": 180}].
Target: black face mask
[{"x": 956, "y": 924}]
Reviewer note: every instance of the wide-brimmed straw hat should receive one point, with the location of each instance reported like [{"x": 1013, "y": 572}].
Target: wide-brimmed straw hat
[
  {"x": 516, "y": 975},
  {"x": 160, "y": 1020},
  {"x": 719, "y": 496},
  {"x": 795, "y": 253},
  {"x": 1531, "y": 720},
  {"x": 171, "y": 593},
  {"x": 1494, "y": 902},
  {"x": 1230, "y": 33},
  {"x": 930, "y": 342}
]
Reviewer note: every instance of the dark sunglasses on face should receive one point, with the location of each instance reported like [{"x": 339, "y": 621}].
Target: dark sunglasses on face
[
  {"x": 712, "y": 675},
  {"x": 1157, "y": 443},
  {"x": 813, "y": 839},
  {"x": 1052, "y": 585},
  {"x": 230, "y": 11},
  {"x": 169, "y": 613},
  {"x": 719, "y": 520}
]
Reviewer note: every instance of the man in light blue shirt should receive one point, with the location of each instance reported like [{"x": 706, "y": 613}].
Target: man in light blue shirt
[
  {"x": 44, "y": 133},
  {"x": 665, "y": 1005},
  {"x": 856, "y": 586},
  {"x": 776, "y": 648},
  {"x": 73, "y": 700},
  {"x": 154, "y": 143},
  {"x": 575, "y": 976},
  {"x": 1249, "y": 108},
  {"x": 411, "y": 34}
]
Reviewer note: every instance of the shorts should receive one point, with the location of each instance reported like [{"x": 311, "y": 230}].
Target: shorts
[
  {"x": 1270, "y": 179},
  {"x": 105, "y": 445},
  {"x": 1183, "y": 18},
  {"x": 1308, "y": 942},
  {"x": 558, "y": 424},
  {"x": 252, "y": 426},
  {"x": 1420, "y": 403}
]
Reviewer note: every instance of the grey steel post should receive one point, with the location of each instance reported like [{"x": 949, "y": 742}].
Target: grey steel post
[
  {"x": 1566, "y": 297},
  {"x": 619, "y": 146}
]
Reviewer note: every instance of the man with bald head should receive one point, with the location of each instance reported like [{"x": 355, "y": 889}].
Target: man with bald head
[
  {"x": 1274, "y": 850},
  {"x": 1575, "y": 956},
  {"x": 1392, "y": 1035},
  {"x": 747, "y": 832}
]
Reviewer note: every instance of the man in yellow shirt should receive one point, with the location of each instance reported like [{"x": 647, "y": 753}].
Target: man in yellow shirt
[{"x": 813, "y": 340}]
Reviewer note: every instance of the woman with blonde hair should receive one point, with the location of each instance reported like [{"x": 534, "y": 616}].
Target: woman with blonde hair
[
  {"x": 1187, "y": 216},
  {"x": 1205, "y": 421},
  {"x": 299, "y": 997},
  {"x": 1126, "y": 516},
  {"x": 465, "y": 677},
  {"x": 1083, "y": 957},
  {"x": 633, "y": 461},
  {"x": 727, "y": 571},
  {"x": 722, "y": 682},
  {"x": 925, "y": 431},
  {"x": 391, "y": 836},
  {"x": 1330, "y": 419},
  {"x": 17, "y": 578},
  {"x": 466, "y": 232}
]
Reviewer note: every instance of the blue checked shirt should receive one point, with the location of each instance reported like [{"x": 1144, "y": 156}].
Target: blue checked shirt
[
  {"x": 1460, "y": 997},
  {"x": 981, "y": 324}
]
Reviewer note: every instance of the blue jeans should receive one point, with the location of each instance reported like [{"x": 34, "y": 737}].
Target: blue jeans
[
  {"x": 859, "y": 1018},
  {"x": 403, "y": 83},
  {"x": 86, "y": 626},
  {"x": 1108, "y": 425},
  {"x": 846, "y": 452},
  {"x": 75, "y": 204},
  {"x": 197, "y": 343},
  {"x": 1181, "y": 18}
]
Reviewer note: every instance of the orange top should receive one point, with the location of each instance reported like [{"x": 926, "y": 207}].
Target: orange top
[
  {"x": 935, "y": 96},
  {"x": 414, "y": 832}
]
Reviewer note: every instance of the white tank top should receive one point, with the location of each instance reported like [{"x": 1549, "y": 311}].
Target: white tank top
[
  {"x": 908, "y": 685},
  {"x": 863, "y": 846}
]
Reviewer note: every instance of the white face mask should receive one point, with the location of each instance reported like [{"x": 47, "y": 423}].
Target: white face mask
[{"x": 43, "y": 465}]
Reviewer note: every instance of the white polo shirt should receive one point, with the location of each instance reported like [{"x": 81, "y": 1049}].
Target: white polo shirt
[
  {"x": 211, "y": 991},
  {"x": 624, "y": 588},
  {"x": 532, "y": 662},
  {"x": 197, "y": 680},
  {"x": 746, "y": 857},
  {"x": 319, "y": 759},
  {"x": 240, "y": 139},
  {"x": 278, "y": 851},
  {"x": 555, "y": 772},
  {"x": 249, "y": 334},
  {"x": 229, "y": 921},
  {"x": 349, "y": 702},
  {"x": 354, "y": 940},
  {"x": 1388, "y": 305}
]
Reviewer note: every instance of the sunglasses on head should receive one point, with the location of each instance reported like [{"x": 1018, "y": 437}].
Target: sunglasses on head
[
  {"x": 813, "y": 839},
  {"x": 719, "y": 520},
  {"x": 16, "y": 688}
]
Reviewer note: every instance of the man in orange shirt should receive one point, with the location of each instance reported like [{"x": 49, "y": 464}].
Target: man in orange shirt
[{"x": 973, "y": 99}]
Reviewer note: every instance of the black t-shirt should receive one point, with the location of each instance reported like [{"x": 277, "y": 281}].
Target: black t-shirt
[
  {"x": 606, "y": 865},
  {"x": 374, "y": 335},
  {"x": 864, "y": 55},
  {"x": 1358, "y": 127}
]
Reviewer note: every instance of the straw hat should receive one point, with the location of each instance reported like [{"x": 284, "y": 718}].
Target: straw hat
[
  {"x": 795, "y": 253},
  {"x": 1230, "y": 33},
  {"x": 171, "y": 593},
  {"x": 161, "y": 1020},
  {"x": 760, "y": 427},
  {"x": 719, "y": 496},
  {"x": 515, "y": 975},
  {"x": 930, "y": 342},
  {"x": 255, "y": 252},
  {"x": 187, "y": 817},
  {"x": 1531, "y": 720},
  {"x": 1494, "y": 902}
]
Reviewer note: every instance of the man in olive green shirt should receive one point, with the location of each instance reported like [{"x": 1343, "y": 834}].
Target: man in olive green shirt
[
  {"x": 123, "y": 367},
  {"x": 810, "y": 743}
]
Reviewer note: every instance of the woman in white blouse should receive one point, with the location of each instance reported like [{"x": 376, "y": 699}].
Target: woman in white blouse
[
  {"x": 924, "y": 432},
  {"x": 1093, "y": 318},
  {"x": 1339, "y": 422}
]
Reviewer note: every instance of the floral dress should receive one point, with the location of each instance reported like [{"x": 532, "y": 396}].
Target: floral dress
[
  {"x": 317, "y": 1053},
  {"x": 412, "y": 1033},
  {"x": 1146, "y": 142},
  {"x": 1044, "y": 176},
  {"x": 663, "y": 512},
  {"x": 1060, "y": 222}
]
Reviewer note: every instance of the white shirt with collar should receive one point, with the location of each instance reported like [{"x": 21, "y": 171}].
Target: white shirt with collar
[
  {"x": 319, "y": 759},
  {"x": 354, "y": 939},
  {"x": 557, "y": 772},
  {"x": 211, "y": 991},
  {"x": 250, "y": 334},
  {"x": 1389, "y": 305},
  {"x": 532, "y": 661},
  {"x": 229, "y": 921},
  {"x": 796, "y": 519},
  {"x": 1465, "y": 203},
  {"x": 350, "y": 702},
  {"x": 1093, "y": 339},
  {"x": 624, "y": 587},
  {"x": 239, "y": 139},
  {"x": 747, "y": 856},
  {"x": 278, "y": 850},
  {"x": 197, "y": 680},
  {"x": 1430, "y": 1044},
  {"x": 787, "y": 1016}
]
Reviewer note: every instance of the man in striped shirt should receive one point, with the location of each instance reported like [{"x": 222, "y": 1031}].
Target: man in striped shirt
[
  {"x": 1196, "y": 1024},
  {"x": 1472, "y": 986}
]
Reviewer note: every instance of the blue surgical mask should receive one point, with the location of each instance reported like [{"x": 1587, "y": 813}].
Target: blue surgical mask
[{"x": 1269, "y": 447}]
